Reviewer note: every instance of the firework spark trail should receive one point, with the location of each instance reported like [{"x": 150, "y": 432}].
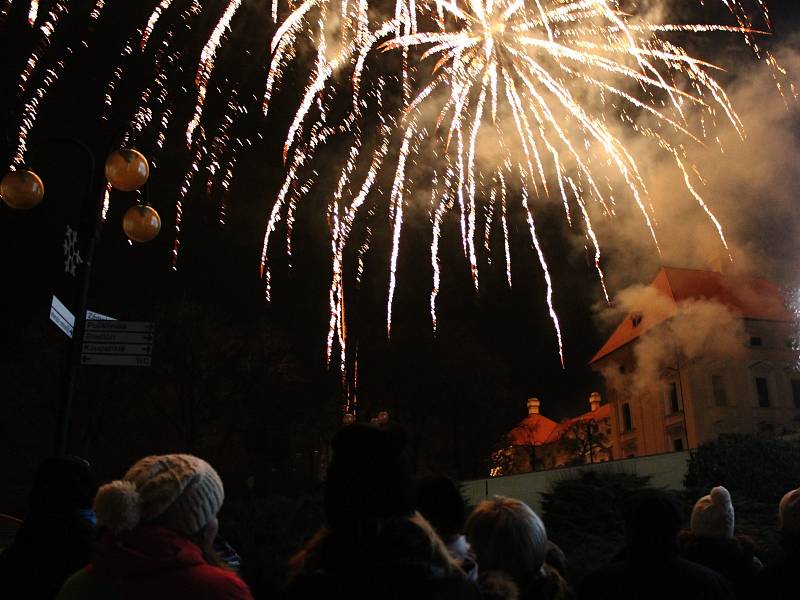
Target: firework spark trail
[
  {"x": 116, "y": 77},
  {"x": 342, "y": 224},
  {"x": 444, "y": 204},
  {"x": 152, "y": 21},
  {"x": 5, "y": 9},
  {"x": 186, "y": 185},
  {"x": 206, "y": 66},
  {"x": 591, "y": 235},
  {"x": 106, "y": 202},
  {"x": 225, "y": 183},
  {"x": 545, "y": 269},
  {"x": 97, "y": 10},
  {"x": 396, "y": 207},
  {"x": 28, "y": 118},
  {"x": 504, "y": 220},
  {"x": 33, "y": 12},
  {"x": 46, "y": 30},
  {"x": 220, "y": 142}
]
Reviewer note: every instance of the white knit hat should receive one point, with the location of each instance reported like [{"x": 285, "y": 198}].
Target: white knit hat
[
  {"x": 177, "y": 491},
  {"x": 712, "y": 515},
  {"x": 789, "y": 512}
]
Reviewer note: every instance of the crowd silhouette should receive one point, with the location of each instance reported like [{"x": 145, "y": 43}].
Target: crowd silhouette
[{"x": 154, "y": 534}]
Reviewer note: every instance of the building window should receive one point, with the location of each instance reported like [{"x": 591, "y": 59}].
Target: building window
[
  {"x": 677, "y": 444},
  {"x": 627, "y": 422},
  {"x": 718, "y": 387},
  {"x": 756, "y": 341},
  {"x": 673, "y": 398},
  {"x": 762, "y": 389},
  {"x": 796, "y": 392}
]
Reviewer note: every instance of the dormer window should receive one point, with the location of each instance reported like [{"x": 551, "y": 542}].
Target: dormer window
[{"x": 636, "y": 319}]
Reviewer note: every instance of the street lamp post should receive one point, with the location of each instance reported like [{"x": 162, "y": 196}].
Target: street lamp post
[{"x": 127, "y": 170}]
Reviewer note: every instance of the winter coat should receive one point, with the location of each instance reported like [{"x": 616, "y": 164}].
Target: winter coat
[
  {"x": 49, "y": 547},
  {"x": 549, "y": 585},
  {"x": 390, "y": 559},
  {"x": 152, "y": 563},
  {"x": 733, "y": 558},
  {"x": 638, "y": 575},
  {"x": 781, "y": 579}
]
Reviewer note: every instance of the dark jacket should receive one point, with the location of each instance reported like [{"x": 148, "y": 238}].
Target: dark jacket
[
  {"x": 636, "y": 576},
  {"x": 377, "y": 558},
  {"x": 733, "y": 558},
  {"x": 549, "y": 585},
  {"x": 781, "y": 579},
  {"x": 152, "y": 563},
  {"x": 49, "y": 547}
]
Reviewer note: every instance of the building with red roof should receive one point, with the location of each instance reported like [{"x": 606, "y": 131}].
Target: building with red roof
[
  {"x": 675, "y": 377},
  {"x": 538, "y": 443}
]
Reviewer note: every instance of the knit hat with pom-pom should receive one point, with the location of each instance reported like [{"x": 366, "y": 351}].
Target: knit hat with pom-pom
[
  {"x": 177, "y": 491},
  {"x": 713, "y": 515},
  {"x": 789, "y": 512}
]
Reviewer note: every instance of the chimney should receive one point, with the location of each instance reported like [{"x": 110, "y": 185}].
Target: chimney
[
  {"x": 594, "y": 400},
  {"x": 533, "y": 406}
]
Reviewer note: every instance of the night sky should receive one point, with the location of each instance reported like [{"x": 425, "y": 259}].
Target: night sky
[{"x": 499, "y": 336}]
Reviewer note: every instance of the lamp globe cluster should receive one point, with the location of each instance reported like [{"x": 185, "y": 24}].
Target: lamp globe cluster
[{"x": 126, "y": 169}]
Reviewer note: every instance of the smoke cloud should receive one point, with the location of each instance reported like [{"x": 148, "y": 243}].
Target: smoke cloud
[
  {"x": 686, "y": 331},
  {"x": 750, "y": 184}
]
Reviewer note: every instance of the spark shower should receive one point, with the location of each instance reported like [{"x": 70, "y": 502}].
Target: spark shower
[{"x": 473, "y": 107}]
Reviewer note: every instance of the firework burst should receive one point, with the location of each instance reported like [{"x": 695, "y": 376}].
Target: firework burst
[
  {"x": 515, "y": 101},
  {"x": 487, "y": 109}
]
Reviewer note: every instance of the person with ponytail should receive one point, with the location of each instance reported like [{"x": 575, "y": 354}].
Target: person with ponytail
[{"x": 157, "y": 526}]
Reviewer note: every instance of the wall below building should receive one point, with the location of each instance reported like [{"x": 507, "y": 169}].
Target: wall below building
[{"x": 665, "y": 470}]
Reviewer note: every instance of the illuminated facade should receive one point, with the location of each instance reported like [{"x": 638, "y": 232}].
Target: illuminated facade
[{"x": 695, "y": 394}]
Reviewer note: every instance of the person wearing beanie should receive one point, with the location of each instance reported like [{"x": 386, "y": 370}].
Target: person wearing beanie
[
  {"x": 57, "y": 536},
  {"x": 510, "y": 540},
  {"x": 650, "y": 566},
  {"x": 374, "y": 544},
  {"x": 711, "y": 542},
  {"x": 781, "y": 579},
  {"x": 157, "y": 527}
]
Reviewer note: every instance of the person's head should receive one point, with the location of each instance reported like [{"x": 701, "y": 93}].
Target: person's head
[
  {"x": 789, "y": 514},
  {"x": 440, "y": 502},
  {"x": 713, "y": 515},
  {"x": 369, "y": 477},
  {"x": 176, "y": 491},
  {"x": 506, "y": 535},
  {"x": 652, "y": 520},
  {"x": 62, "y": 483}
]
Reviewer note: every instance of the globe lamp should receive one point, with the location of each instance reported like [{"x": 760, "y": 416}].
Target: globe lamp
[
  {"x": 22, "y": 189},
  {"x": 127, "y": 169},
  {"x": 141, "y": 223}
]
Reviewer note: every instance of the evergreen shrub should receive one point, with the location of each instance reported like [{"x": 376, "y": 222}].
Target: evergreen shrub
[{"x": 759, "y": 467}]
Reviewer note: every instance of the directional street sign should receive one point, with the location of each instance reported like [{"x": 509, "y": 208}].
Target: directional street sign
[
  {"x": 65, "y": 320},
  {"x": 117, "y": 337},
  {"x": 121, "y": 343},
  {"x": 117, "y": 348},
  {"x": 120, "y": 360},
  {"x": 61, "y": 316},
  {"x": 129, "y": 326},
  {"x": 96, "y": 316}
]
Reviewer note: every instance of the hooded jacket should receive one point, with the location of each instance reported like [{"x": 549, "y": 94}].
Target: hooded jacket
[{"x": 152, "y": 563}]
